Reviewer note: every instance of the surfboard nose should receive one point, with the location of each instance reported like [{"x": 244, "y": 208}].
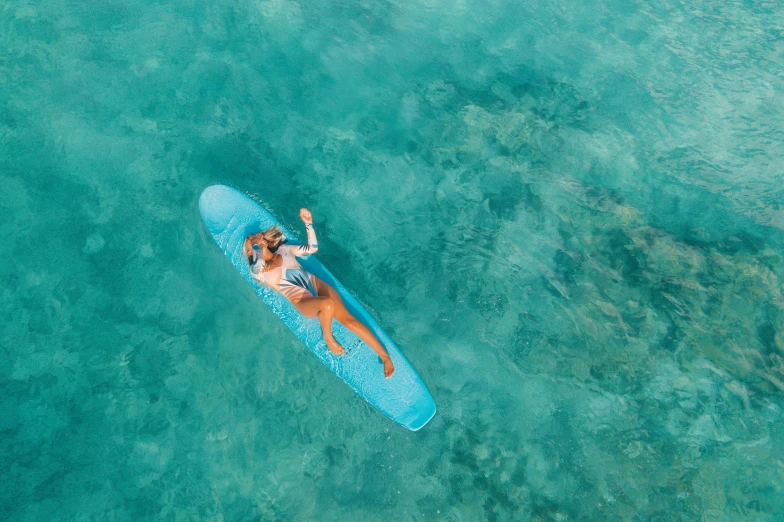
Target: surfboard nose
[{"x": 216, "y": 208}]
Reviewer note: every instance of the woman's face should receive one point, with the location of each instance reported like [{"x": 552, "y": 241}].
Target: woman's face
[{"x": 257, "y": 240}]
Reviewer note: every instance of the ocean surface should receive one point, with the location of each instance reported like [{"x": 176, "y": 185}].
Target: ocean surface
[{"x": 568, "y": 214}]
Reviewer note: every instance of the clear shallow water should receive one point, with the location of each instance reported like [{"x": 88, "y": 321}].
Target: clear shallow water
[{"x": 567, "y": 214}]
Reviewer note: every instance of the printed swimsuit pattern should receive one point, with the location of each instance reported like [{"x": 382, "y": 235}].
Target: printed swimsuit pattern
[{"x": 288, "y": 278}]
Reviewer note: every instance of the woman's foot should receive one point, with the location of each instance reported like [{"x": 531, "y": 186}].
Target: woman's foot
[
  {"x": 389, "y": 368},
  {"x": 335, "y": 347}
]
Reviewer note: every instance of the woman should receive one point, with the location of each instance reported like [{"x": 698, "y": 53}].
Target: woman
[{"x": 275, "y": 265}]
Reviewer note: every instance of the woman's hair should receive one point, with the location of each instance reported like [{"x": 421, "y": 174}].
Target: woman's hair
[{"x": 273, "y": 236}]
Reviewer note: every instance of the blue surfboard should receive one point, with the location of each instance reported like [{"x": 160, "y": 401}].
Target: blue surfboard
[{"x": 230, "y": 217}]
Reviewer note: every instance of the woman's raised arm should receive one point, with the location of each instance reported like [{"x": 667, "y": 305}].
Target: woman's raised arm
[{"x": 312, "y": 246}]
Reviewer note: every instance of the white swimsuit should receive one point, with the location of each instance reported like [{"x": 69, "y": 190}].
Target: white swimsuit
[{"x": 290, "y": 279}]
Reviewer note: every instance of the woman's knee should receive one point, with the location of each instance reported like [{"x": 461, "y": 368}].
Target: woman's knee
[{"x": 327, "y": 304}]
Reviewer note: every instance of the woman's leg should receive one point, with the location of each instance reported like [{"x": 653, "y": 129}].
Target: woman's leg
[
  {"x": 345, "y": 318},
  {"x": 324, "y": 309}
]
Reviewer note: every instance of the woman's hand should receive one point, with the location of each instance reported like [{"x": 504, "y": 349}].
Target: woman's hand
[
  {"x": 389, "y": 368},
  {"x": 306, "y": 216}
]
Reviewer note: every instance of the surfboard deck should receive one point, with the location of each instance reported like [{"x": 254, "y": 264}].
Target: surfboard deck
[{"x": 230, "y": 217}]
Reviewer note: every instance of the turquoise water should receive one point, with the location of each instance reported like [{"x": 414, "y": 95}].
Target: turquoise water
[{"x": 567, "y": 214}]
